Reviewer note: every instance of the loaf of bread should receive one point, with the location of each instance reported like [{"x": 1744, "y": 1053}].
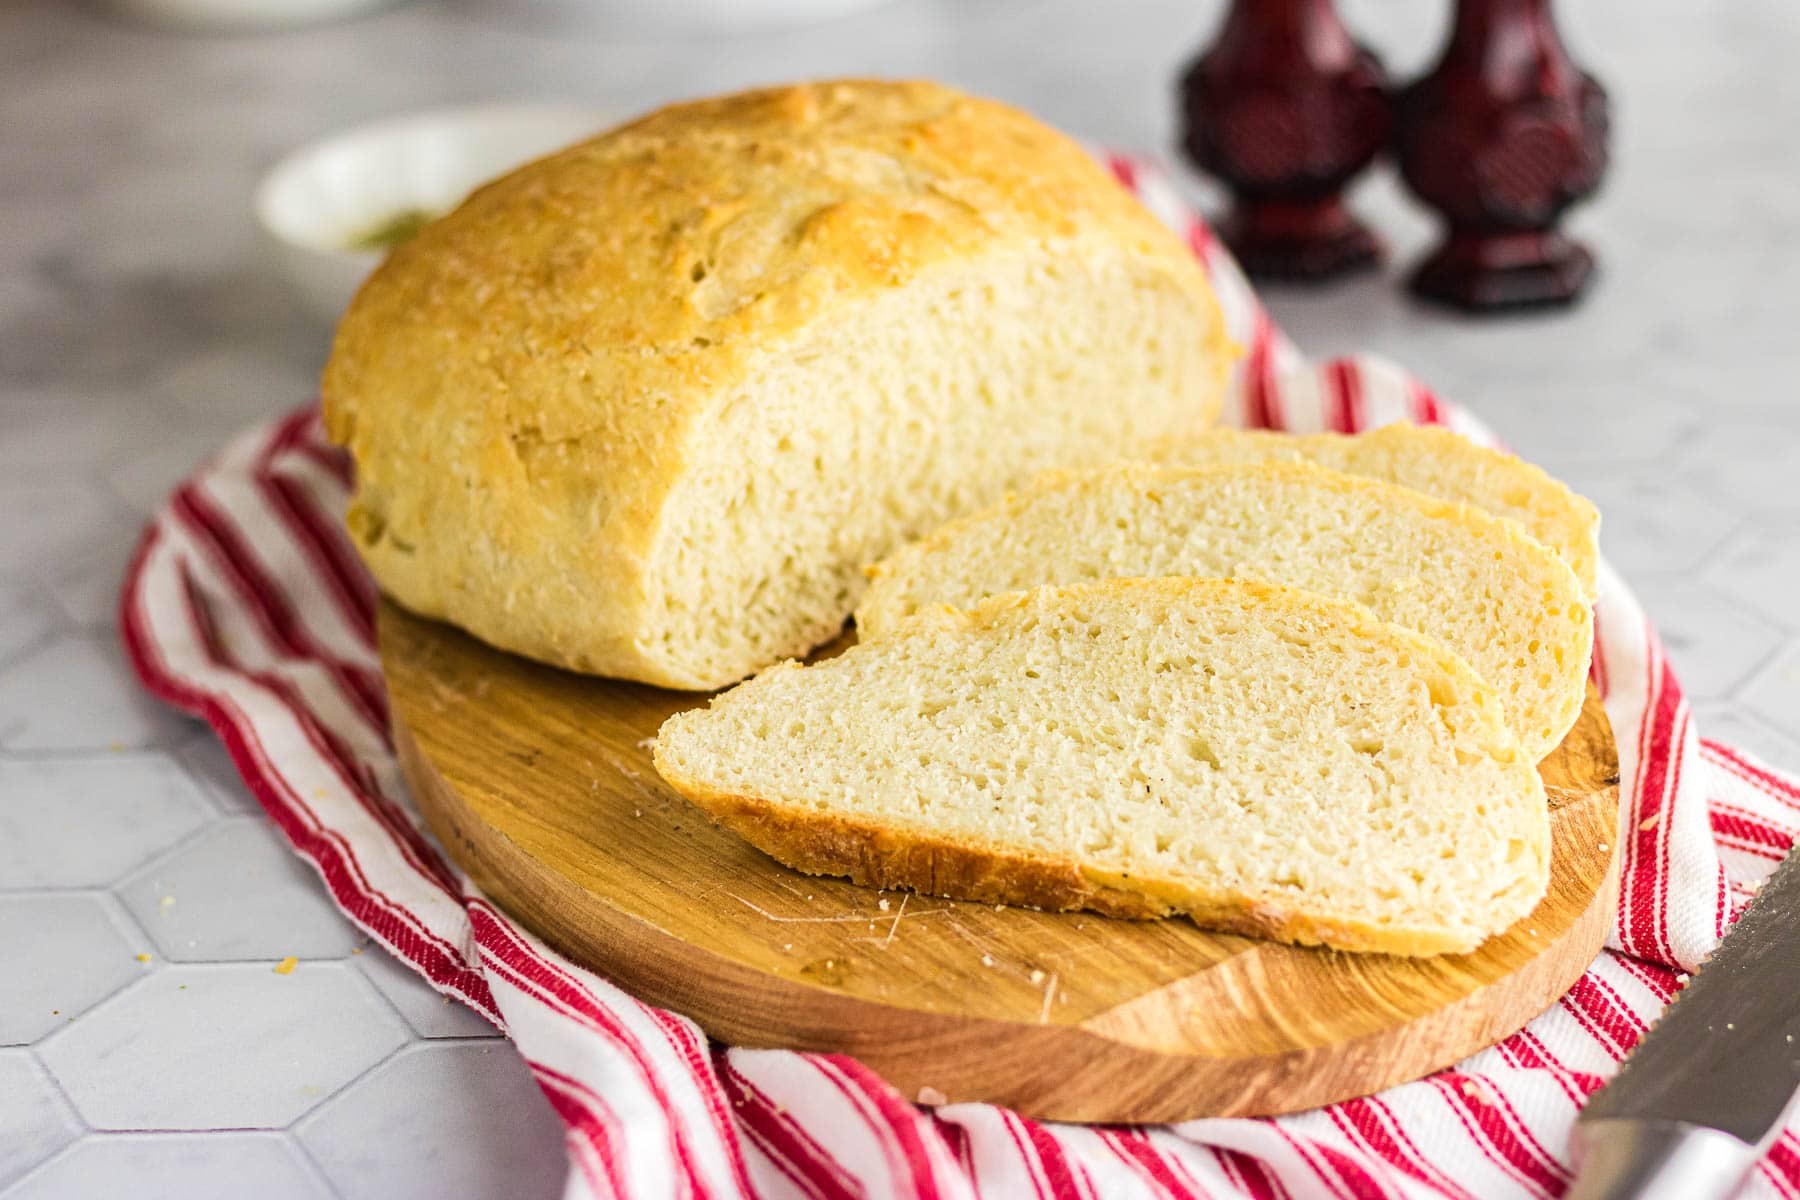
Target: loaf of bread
[
  {"x": 645, "y": 407},
  {"x": 1428, "y": 459},
  {"x": 1269, "y": 762},
  {"x": 1478, "y": 584}
]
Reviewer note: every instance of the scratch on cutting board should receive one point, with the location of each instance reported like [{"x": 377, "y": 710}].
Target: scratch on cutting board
[
  {"x": 885, "y": 942},
  {"x": 844, "y": 920},
  {"x": 853, "y": 918},
  {"x": 1049, "y": 994},
  {"x": 957, "y": 928},
  {"x": 787, "y": 887}
]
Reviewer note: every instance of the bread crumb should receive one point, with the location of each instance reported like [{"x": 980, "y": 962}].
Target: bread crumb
[
  {"x": 930, "y": 1095},
  {"x": 637, "y": 812},
  {"x": 1651, "y": 821},
  {"x": 1604, "y": 847},
  {"x": 987, "y": 960},
  {"x": 143, "y": 958},
  {"x": 648, "y": 743},
  {"x": 884, "y": 904},
  {"x": 999, "y": 908},
  {"x": 166, "y": 903},
  {"x": 286, "y": 966},
  {"x": 1753, "y": 886},
  {"x": 1474, "y": 1091},
  {"x": 1037, "y": 975}
]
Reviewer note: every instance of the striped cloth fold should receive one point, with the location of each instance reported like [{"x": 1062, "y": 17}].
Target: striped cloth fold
[{"x": 246, "y": 605}]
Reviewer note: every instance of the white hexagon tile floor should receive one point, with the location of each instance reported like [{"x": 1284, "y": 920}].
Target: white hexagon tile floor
[
  {"x": 146, "y": 1036},
  {"x": 145, "y": 908},
  {"x": 148, "y": 1046}
]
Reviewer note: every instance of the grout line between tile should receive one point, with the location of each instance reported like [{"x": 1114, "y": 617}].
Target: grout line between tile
[
  {"x": 293, "y": 1127},
  {"x": 306, "y": 1153},
  {"x": 106, "y": 1001},
  {"x": 191, "y": 839},
  {"x": 59, "y": 1091},
  {"x": 31, "y": 1172}
]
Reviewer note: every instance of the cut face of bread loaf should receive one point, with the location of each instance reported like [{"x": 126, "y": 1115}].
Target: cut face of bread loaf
[
  {"x": 1432, "y": 460},
  {"x": 1268, "y": 761},
  {"x": 645, "y": 407},
  {"x": 1480, "y": 585}
]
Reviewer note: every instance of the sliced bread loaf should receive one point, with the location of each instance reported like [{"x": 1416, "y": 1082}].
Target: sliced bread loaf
[
  {"x": 1479, "y": 584},
  {"x": 1430, "y": 460},
  {"x": 1267, "y": 761},
  {"x": 645, "y": 407}
]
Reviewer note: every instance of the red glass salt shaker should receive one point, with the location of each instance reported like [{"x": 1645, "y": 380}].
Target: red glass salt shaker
[
  {"x": 1502, "y": 136},
  {"x": 1285, "y": 108}
]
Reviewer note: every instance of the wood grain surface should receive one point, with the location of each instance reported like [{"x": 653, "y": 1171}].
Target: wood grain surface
[{"x": 539, "y": 784}]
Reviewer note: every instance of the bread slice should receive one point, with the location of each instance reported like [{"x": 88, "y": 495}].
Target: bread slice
[
  {"x": 1477, "y": 583},
  {"x": 1267, "y": 761},
  {"x": 645, "y": 407},
  {"x": 1428, "y": 459}
]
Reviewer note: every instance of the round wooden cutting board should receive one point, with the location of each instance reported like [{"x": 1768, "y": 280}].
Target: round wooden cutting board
[{"x": 539, "y": 784}]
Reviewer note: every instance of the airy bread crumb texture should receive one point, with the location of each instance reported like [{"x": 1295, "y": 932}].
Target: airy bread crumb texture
[
  {"x": 1476, "y": 583},
  {"x": 929, "y": 404},
  {"x": 1433, "y": 460},
  {"x": 1267, "y": 761}
]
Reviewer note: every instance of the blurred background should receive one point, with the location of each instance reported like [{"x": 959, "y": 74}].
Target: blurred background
[{"x": 145, "y": 318}]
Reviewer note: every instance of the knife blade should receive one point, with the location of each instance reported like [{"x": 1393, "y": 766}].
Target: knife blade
[{"x": 1706, "y": 1091}]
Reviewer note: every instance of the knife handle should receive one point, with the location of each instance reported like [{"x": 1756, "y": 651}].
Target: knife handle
[{"x": 1630, "y": 1159}]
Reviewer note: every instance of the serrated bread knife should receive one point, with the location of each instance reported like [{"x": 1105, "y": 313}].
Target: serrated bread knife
[{"x": 1707, "y": 1090}]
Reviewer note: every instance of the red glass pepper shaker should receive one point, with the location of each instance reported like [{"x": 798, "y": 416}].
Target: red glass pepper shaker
[
  {"x": 1502, "y": 136},
  {"x": 1286, "y": 108}
]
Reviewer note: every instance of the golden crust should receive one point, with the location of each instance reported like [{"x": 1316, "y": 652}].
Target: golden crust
[
  {"x": 882, "y": 856},
  {"x": 875, "y": 856},
  {"x": 520, "y": 384}
]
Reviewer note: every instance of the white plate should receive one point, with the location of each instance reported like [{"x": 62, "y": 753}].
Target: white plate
[{"x": 318, "y": 200}]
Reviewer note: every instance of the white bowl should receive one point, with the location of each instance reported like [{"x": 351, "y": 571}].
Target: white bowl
[
  {"x": 241, "y": 16},
  {"x": 658, "y": 18},
  {"x": 315, "y": 203}
]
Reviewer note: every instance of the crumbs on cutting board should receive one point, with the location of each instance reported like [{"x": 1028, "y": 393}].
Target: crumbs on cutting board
[{"x": 286, "y": 966}]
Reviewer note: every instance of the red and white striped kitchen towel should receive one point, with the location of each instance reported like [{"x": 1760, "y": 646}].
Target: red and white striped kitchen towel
[{"x": 246, "y": 605}]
